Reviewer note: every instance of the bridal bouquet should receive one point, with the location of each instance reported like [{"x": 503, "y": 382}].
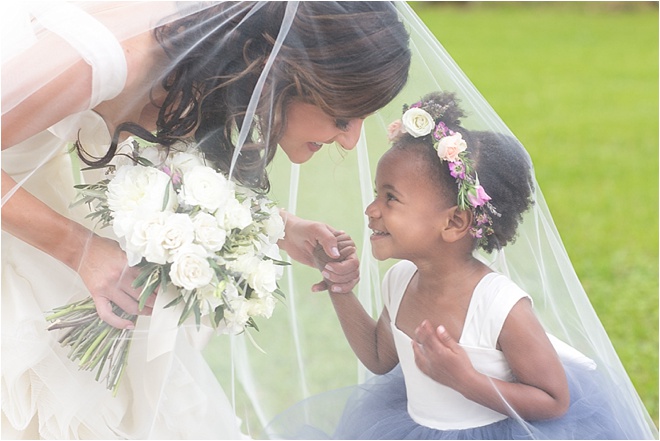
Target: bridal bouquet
[{"x": 186, "y": 226}]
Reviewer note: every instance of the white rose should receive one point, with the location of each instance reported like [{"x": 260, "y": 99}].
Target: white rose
[
  {"x": 417, "y": 122},
  {"x": 208, "y": 232},
  {"x": 245, "y": 259},
  {"x": 190, "y": 268},
  {"x": 274, "y": 225},
  {"x": 263, "y": 278},
  {"x": 261, "y": 307},
  {"x": 210, "y": 299},
  {"x": 138, "y": 188},
  {"x": 177, "y": 232},
  {"x": 154, "y": 155},
  {"x": 450, "y": 146},
  {"x": 237, "y": 215},
  {"x": 182, "y": 162},
  {"x": 145, "y": 238},
  {"x": 206, "y": 188},
  {"x": 236, "y": 315}
]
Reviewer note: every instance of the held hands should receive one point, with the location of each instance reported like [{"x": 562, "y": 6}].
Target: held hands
[
  {"x": 104, "y": 270},
  {"x": 340, "y": 275},
  {"x": 440, "y": 357},
  {"x": 320, "y": 246}
]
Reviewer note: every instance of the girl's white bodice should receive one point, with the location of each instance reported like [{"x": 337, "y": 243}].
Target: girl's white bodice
[{"x": 429, "y": 402}]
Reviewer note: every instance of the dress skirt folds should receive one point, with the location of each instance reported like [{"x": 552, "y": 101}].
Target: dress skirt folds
[{"x": 377, "y": 409}]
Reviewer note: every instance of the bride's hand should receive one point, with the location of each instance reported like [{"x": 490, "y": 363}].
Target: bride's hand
[
  {"x": 105, "y": 272},
  {"x": 341, "y": 266},
  {"x": 340, "y": 275}
]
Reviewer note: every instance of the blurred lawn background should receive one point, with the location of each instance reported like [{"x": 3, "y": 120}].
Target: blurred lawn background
[{"x": 577, "y": 83}]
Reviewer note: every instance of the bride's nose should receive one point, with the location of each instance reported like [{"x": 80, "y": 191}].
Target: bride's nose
[{"x": 348, "y": 138}]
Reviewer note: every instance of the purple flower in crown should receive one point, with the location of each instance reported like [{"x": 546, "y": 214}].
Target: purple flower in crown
[
  {"x": 477, "y": 196},
  {"x": 477, "y": 233},
  {"x": 416, "y": 105},
  {"x": 457, "y": 169},
  {"x": 482, "y": 219},
  {"x": 441, "y": 130}
]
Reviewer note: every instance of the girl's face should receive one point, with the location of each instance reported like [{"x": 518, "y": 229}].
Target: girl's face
[
  {"x": 407, "y": 214},
  {"x": 308, "y": 128}
]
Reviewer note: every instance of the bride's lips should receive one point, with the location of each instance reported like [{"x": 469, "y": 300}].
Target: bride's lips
[{"x": 314, "y": 146}]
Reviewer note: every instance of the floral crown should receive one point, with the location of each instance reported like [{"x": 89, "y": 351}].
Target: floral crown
[{"x": 419, "y": 120}]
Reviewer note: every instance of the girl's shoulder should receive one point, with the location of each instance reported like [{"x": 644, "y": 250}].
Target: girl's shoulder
[
  {"x": 395, "y": 281},
  {"x": 493, "y": 299}
]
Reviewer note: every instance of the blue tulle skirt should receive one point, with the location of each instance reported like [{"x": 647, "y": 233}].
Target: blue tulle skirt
[{"x": 377, "y": 409}]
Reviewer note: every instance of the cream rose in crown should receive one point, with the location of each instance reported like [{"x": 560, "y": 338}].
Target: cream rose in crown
[{"x": 185, "y": 225}]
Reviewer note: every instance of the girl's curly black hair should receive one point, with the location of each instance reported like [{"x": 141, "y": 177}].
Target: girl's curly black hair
[{"x": 502, "y": 164}]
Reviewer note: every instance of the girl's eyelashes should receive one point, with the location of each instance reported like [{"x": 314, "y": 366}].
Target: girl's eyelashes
[{"x": 390, "y": 197}]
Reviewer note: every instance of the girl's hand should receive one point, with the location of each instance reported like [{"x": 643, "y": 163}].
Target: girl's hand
[
  {"x": 107, "y": 276},
  {"x": 342, "y": 274},
  {"x": 440, "y": 357},
  {"x": 303, "y": 237}
]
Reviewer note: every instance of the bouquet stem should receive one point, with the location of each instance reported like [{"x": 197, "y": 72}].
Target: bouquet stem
[{"x": 93, "y": 342}]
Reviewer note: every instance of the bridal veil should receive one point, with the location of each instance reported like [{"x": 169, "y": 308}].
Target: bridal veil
[{"x": 300, "y": 351}]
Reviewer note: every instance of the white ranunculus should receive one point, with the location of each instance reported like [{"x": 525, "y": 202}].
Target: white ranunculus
[
  {"x": 262, "y": 307},
  {"x": 190, "y": 269},
  {"x": 237, "y": 215},
  {"x": 140, "y": 189},
  {"x": 182, "y": 162},
  {"x": 206, "y": 188},
  {"x": 418, "y": 122},
  {"x": 263, "y": 278},
  {"x": 145, "y": 238},
  {"x": 208, "y": 232},
  {"x": 177, "y": 232}
]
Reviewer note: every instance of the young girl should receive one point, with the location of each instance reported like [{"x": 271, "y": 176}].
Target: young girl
[{"x": 474, "y": 362}]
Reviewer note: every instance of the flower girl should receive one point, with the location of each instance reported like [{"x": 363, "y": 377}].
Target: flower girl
[{"x": 458, "y": 349}]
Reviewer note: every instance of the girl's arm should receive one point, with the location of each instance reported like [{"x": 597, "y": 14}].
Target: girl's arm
[
  {"x": 541, "y": 390},
  {"x": 371, "y": 341}
]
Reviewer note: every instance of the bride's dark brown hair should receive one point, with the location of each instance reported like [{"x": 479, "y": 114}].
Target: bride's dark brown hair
[{"x": 348, "y": 58}]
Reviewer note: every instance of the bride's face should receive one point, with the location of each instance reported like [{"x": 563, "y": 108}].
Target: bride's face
[{"x": 308, "y": 128}]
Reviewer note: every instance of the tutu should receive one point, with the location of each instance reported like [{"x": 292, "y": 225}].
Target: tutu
[{"x": 377, "y": 409}]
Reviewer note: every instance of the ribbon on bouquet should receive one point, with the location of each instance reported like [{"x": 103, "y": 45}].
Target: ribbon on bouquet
[{"x": 164, "y": 326}]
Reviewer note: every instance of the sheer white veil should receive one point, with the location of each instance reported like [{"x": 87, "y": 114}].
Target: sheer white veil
[
  {"x": 301, "y": 350},
  {"x": 537, "y": 261}
]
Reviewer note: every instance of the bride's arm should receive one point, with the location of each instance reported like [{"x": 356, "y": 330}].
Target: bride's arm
[{"x": 100, "y": 262}]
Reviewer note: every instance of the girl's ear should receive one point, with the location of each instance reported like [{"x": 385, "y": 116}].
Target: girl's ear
[{"x": 458, "y": 224}]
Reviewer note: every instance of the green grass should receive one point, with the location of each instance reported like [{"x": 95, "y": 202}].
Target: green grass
[{"x": 578, "y": 85}]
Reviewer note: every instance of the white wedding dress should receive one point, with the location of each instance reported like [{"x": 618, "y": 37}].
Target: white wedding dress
[{"x": 44, "y": 394}]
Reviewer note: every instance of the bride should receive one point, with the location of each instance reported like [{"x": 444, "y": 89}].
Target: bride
[{"x": 237, "y": 79}]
